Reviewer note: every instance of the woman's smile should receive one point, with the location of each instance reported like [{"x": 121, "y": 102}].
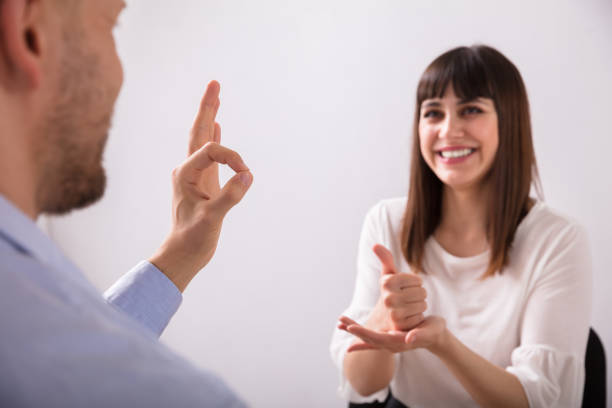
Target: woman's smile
[{"x": 454, "y": 154}]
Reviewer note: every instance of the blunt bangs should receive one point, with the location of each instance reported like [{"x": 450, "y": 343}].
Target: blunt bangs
[{"x": 461, "y": 67}]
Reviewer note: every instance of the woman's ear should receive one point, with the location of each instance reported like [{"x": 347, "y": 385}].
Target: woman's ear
[{"x": 22, "y": 35}]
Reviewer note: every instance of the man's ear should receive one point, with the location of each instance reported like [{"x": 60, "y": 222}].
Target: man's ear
[{"x": 21, "y": 43}]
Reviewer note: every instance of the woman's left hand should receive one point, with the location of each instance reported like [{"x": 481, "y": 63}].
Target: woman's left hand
[{"x": 430, "y": 334}]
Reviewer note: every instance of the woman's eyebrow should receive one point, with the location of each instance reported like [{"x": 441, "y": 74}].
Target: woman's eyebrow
[
  {"x": 430, "y": 104},
  {"x": 473, "y": 99},
  {"x": 437, "y": 104}
]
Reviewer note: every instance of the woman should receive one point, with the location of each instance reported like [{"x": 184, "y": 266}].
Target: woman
[{"x": 469, "y": 292}]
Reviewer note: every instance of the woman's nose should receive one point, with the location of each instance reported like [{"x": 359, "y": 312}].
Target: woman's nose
[{"x": 452, "y": 127}]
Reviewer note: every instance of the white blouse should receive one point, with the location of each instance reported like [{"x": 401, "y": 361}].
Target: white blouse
[{"x": 532, "y": 320}]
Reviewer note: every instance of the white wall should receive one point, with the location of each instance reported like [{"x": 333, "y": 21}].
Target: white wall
[{"x": 318, "y": 97}]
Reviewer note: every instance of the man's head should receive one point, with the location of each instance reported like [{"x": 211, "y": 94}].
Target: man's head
[{"x": 60, "y": 73}]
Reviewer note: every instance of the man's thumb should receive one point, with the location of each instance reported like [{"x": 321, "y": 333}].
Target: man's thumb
[{"x": 233, "y": 191}]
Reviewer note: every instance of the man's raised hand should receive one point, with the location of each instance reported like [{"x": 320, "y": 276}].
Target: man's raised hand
[{"x": 199, "y": 202}]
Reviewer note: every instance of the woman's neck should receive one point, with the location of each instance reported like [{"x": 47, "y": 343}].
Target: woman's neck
[{"x": 463, "y": 224}]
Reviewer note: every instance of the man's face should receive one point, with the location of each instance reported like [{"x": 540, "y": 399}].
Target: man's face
[{"x": 76, "y": 129}]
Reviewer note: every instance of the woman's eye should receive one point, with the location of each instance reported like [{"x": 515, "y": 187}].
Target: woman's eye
[
  {"x": 471, "y": 110},
  {"x": 432, "y": 114}
]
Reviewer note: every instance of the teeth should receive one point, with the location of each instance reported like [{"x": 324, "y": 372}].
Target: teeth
[{"x": 451, "y": 154}]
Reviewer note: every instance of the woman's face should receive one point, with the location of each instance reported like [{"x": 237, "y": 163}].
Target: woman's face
[{"x": 458, "y": 138}]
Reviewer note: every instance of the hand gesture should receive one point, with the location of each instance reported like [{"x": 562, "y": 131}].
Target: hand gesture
[
  {"x": 430, "y": 334},
  {"x": 401, "y": 302},
  {"x": 399, "y": 309},
  {"x": 199, "y": 203}
]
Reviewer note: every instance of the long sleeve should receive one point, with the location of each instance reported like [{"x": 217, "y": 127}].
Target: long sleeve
[
  {"x": 146, "y": 295},
  {"x": 64, "y": 346},
  {"x": 550, "y": 360}
]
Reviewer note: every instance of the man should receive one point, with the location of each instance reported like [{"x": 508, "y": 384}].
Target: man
[{"x": 62, "y": 344}]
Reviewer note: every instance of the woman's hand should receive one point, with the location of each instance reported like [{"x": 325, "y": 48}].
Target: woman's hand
[
  {"x": 431, "y": 334},
  {"x": 397, "y": 319},
  {"x": 401, "y": 303}
]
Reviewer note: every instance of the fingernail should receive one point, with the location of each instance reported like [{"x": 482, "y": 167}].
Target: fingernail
[{"x": 246, "y": 178}]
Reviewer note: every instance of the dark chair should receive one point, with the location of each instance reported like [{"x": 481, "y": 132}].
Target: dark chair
[
  {"x": 595, "y": 368},
  {"x": 594, "y": 395},
  {"x": 390, "y": 402}
]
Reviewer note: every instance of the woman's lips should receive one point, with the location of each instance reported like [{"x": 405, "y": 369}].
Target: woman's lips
[{"x": 452, "y": 155}]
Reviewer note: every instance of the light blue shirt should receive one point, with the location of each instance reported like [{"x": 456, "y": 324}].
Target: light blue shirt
[{"x": 62, "y": 344}]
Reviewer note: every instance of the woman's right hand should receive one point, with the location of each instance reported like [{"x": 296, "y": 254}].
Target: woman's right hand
[
  {"x": 399, "y": 309},
  {"x": 401, "y": 303}
]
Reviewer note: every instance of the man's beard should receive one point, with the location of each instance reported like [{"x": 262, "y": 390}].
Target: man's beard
[{"x": 73, "y": 137}]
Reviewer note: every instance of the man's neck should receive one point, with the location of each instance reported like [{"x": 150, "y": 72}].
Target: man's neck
[{"x": 17, "y": 171}]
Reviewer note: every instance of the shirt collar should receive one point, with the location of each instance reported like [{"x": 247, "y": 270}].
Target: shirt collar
[{"x": 25, "y": 236}]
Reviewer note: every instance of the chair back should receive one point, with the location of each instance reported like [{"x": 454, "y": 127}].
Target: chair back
[{"x": 595, "y": 373}]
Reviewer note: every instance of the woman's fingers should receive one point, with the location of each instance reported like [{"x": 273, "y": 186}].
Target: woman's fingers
[
  {"x": 404, "y": 297},
  {"x": 409, "y": 322},
  {"x": 344, "y": 322},
  {"x": 426, "y": 333},
  {"x": 406, "y": 311},
  {"x": 375, "y": 337},
  {"x": 347, "y": 320},
  {"x": 386, "y": 258},
  {"x": 393, "y": 341},
  {"x": 361, "y": 347},
  {"x": 400, "y": 281}
]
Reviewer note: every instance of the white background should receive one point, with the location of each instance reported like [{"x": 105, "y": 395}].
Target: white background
[{"x": 318, "y": 98}]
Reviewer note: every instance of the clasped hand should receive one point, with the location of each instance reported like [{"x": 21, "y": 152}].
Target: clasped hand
[{"x": 397, "y": 322}]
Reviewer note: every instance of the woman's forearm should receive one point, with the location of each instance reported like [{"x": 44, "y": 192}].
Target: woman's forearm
[
  {"x": 369, "y": 371},
  {"x": 488, "y": 384}
]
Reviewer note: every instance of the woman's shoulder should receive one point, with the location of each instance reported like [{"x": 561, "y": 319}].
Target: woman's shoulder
[
  {"x": 542, "y": 219},
  {"x": 390, "y": 206},
  {"x": 383, "y": 225},
  {"x": 388, "y": 210},
  {"x": 547, "y": 228}
]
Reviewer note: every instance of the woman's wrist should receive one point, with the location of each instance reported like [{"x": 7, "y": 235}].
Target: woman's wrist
[{"x": 442, "y": 345}]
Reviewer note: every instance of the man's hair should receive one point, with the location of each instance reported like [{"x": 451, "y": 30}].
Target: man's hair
[{"x": 477, "y": 71}]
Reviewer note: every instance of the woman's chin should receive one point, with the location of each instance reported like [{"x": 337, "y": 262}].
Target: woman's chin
[{"x": 460, "y": 183}]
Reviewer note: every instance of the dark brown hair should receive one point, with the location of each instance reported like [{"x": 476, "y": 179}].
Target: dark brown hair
[{"x": 477, "y": 71}]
